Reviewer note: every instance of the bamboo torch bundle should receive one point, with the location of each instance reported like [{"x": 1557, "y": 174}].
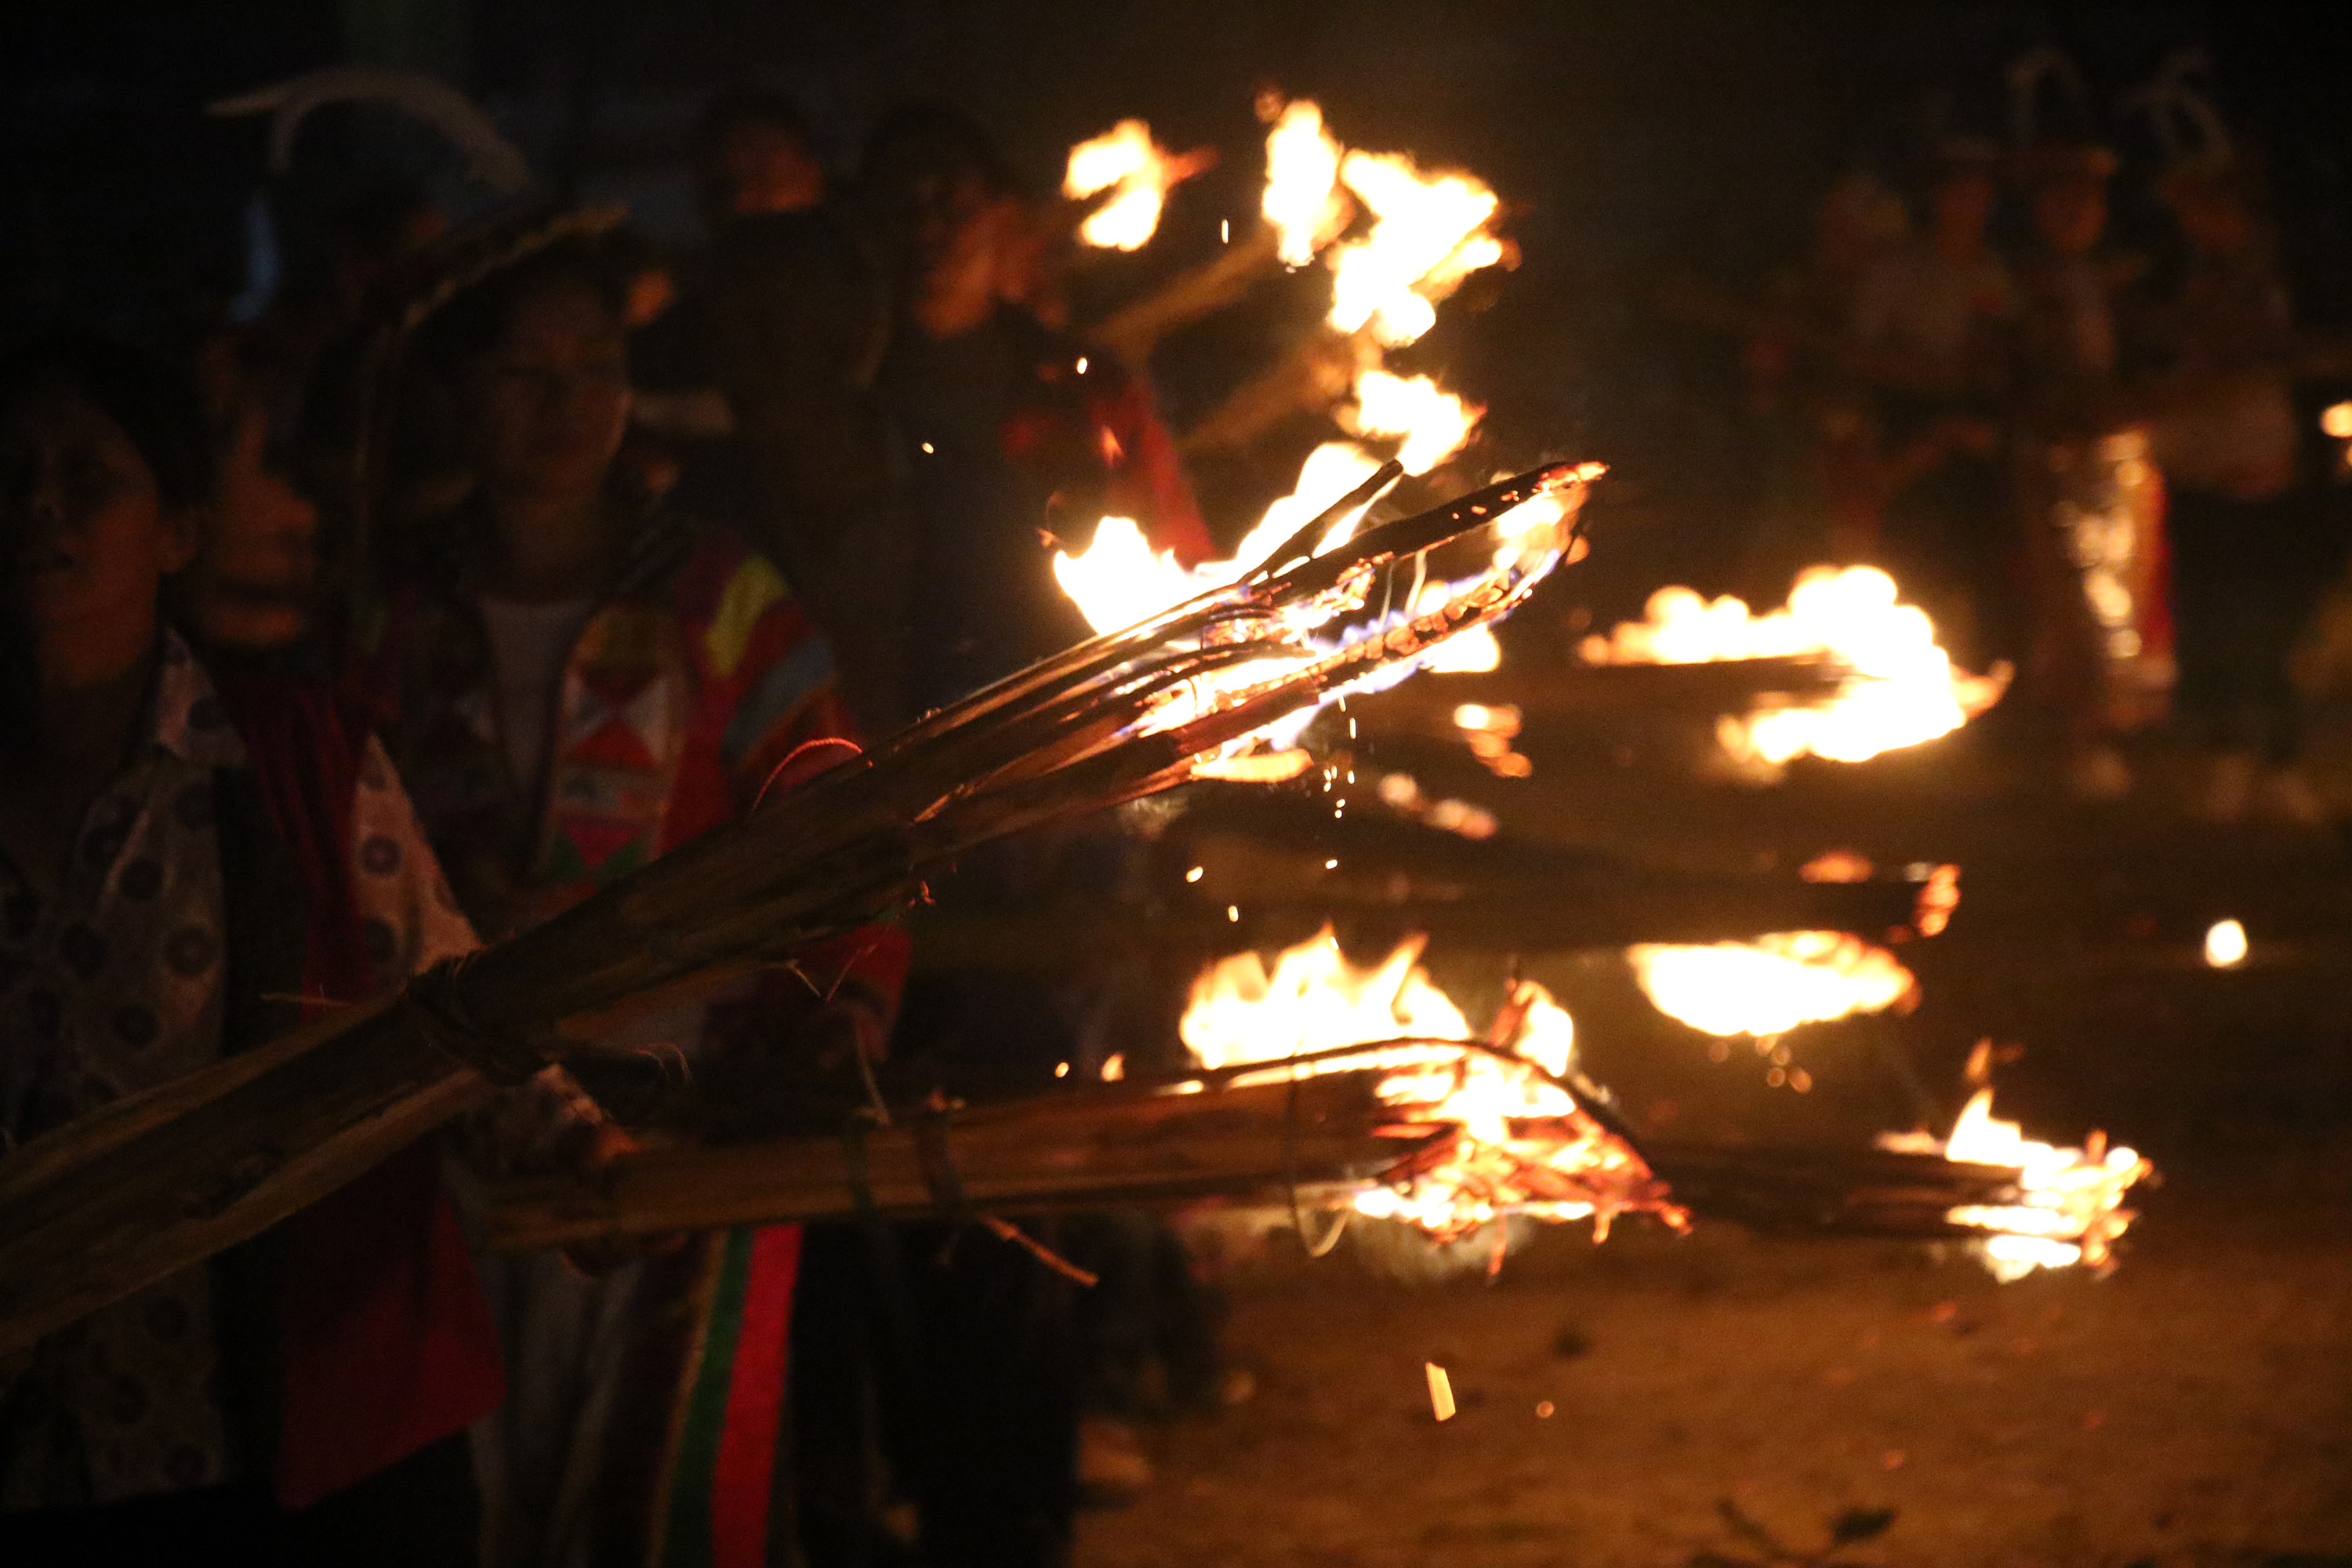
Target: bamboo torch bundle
[
  {"x": 1326, "y": 1131},
  {"x": 156, "y": 1182}
]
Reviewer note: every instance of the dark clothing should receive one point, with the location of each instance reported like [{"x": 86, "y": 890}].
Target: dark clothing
[
  {"x": 422, "y": 1512},
  {"x": 2246, "y": 577},
  {"x": 984, "y": 599}
]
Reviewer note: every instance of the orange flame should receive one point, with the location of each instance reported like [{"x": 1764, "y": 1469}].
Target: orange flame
[
  {"x": 1520, "y": 1144},
  {"x": 1902, "y": 689},
  {"x": 1432, "y": 423},
  {"x": 2069, "y": 1201},
  {"x": 1137, "y": 171},
  {"x": 1302, "y": 200},
  {"x": 1771, "y": 985},
  {"x": 1429, "y": 233}
]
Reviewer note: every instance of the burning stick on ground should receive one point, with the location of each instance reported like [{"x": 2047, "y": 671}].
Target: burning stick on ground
[{"x": 158, "y": 1181}]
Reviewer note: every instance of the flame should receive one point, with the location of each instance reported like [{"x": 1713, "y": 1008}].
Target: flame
[
  {"x": 1521, "y": 1144},
  {"x": 1401, "y": 793},
  {"x": 1137, "y": 171},
  {"x": 1772, "y": 984},
  {"x": 1302, "y": 200},
  {"x": 1434, "y": 424},
  {"x": 2069, "y": 1201},
  {"x": 1490, "y": 729},
  {"x": 1119, "y": 579},
  {"x": 1429, "y": 233},
  {"x": 1902, "y": 689}
]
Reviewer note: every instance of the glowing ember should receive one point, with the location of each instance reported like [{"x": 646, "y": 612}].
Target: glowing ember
[
  {"x": 1521, "y": 1145},
  {"x": 1302, "y": 199},
  {"x": 1772, "y": 984},
  {"x": 1490, "y": 729},
  {"x": 1901, "y": 688},
  {"x": 2069, "y": 1201},
  {"x": 1137, "y": 171},
  {"x": 1401, "y": 793}
]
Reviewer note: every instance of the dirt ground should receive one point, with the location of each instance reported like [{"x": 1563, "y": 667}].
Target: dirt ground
[
  {"x": 1725, "y": 1399},
  {"x": 1731, "y": 1399}
]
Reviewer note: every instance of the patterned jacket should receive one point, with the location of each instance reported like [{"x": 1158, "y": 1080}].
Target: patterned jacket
[
  {"x": 255, "y": 851},
  {"x": 693, "y": 678}
]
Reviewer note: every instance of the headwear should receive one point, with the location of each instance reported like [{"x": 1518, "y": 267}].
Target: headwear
[
  {"x": 2053, "y": 148},
  {"x": 2191, "y": 136},
  {"x": 152, "y": 403}
]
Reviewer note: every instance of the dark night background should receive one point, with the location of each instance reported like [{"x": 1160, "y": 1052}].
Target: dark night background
[
  {"x": 1632, "y": 142},
  {"x": 2191, "y": 1411}
]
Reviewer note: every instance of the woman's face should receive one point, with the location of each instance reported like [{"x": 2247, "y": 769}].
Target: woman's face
[
  {"x": 550, "y": 402},
  {"x": 84, "y": 540},
  {"x": 258, "y": 562}
]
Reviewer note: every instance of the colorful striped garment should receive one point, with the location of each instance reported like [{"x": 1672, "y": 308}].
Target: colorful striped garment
[{"x": 648, "y": 1403}]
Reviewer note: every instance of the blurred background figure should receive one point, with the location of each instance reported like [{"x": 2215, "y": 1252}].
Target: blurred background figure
[
  {"x": 1931, "y": 329},
  {"x": 2251, "y": 553},
  {"x": 2098, "y": 652}
]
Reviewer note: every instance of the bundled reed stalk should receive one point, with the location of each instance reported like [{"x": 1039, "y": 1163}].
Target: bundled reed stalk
[
  {"x": 1317, "y": 1139},
  {"x": 156, "y": 1182}
]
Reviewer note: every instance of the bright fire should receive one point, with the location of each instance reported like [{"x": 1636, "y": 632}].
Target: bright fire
[
  {"x": 1521, "y": 1144},
  {"x": 1137, "y": 171},
  {"x": 1901, "y": 688},
  {"x": 2069, "y": 1201},
  {"x": 1302, "y": 200},
  {"x": 1772, "y": 984},
  {"x": 1432, "y": 423},
  {"x": 1429, "y": 233},
  {"x": 1119, "y": 579}
]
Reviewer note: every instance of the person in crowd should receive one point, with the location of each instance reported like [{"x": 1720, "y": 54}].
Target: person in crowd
[
  {"x": 576, "y": 684},
  {"x": 184, "y": 867},
  {"x": 754, "y": 155},
  {"x": 1021, "y": 437},
  {"x": 2250, "y": 555},
  {"x": 1930, "y": 331},
  {"x": 253, "y": 587},
  {"x": 1016, "y": 438},
  {"x": 2099, "y": 652},
  {"x": 805, "y": 321},
  {"x": 1827, "y": 473}
]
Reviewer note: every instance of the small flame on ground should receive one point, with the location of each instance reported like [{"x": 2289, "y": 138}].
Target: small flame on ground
[
  {"x": 1903, "y": 689},
  {"x": 1521, "y": 1144},
  {"x": 1401, "y": 793},
  {"x": 2068, "y": 1206},
  {"x": 2225, "y": 944},
  {"x": 1837, "y": 866},
  {"x": 1490, "y": 728},
  {"x": 1137, "y": 171},
  {"x": 1772, "y": 984}
]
